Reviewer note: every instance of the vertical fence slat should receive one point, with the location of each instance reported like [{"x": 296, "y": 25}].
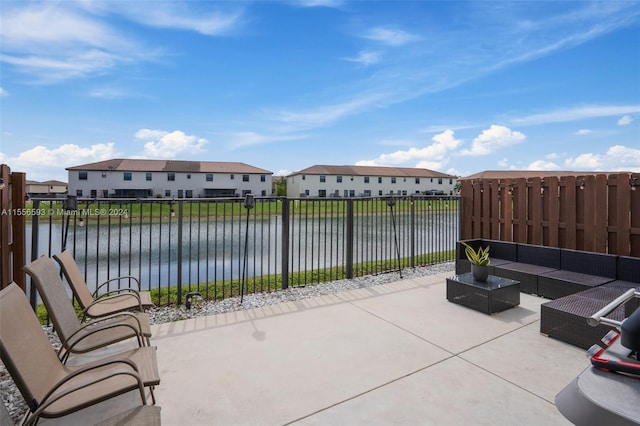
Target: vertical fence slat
[
  {"x": 520, "y": 211},
  {"x": 634, "y": 208},
  {"x": 600, "y": 212},
  {"x": 534, "y": 214},
  {"x": 466, "y": 210},
  {"x": 552, "y": 192}
]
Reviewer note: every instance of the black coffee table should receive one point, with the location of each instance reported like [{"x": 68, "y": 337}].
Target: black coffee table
[{"x": 494, "y": 295}]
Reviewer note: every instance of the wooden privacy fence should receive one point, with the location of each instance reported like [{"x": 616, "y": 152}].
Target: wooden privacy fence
[
  {"x": 597, "y": 213},
  {"x": 12, "y": 227}
]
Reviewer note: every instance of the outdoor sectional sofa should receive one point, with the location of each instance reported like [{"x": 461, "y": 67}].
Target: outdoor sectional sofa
[{"x": 580, "y": 284}]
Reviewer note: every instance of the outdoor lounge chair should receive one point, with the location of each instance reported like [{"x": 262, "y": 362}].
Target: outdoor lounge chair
[
  {"x": 75, "y": 336},
  {"x": 99, "y": 305},
  {"x": 51, "y": 389}
]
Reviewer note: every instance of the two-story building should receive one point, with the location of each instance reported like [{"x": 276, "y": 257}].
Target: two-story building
[
  {"x": 126, "y": 178},
  {"x": 367, "y": 181},
  {"x": 49, "y": 188}
]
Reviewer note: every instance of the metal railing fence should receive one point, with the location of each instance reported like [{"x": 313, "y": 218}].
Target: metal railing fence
[{"x": 222, "y": 247}]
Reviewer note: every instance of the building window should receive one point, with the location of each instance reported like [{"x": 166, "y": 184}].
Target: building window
[
  {"x": 104, "y": 175},
  {"x": 189, "y": 193},
  {"x": 380, "y": 180},
  {"x": 263, "y": 178},
  {"x": 393, "y": 180},
  {"x": 323, "y": 179},
  {"x": 171, "y": 177},
  {"x": 209, "y": 177},
  {"x": 431, "y": 180},
  {"x": 167, "y": 193},
  {"x": 304, "y": 177},
  {"x": 306, "y": 192},
  {"x": 79, "y": 192},
  {"x": 450, "y": 181},
  {"x": 232, "y": 176},
  {"x": 380, "y": 192},
  {"x": 245, "y": 178},
  {"x": 366, "y": 179},
  {"x": 148, "y": 175},
  {"x": 127, "y": 175},
  {"x": 352, "y": 193},
  {"x": 188, "y": 176},
  {"x": 322, "y": 193},
  {"x": 82, "y": 175},
  {"x": 338, "y": 179},
  {"x": 417, "y": 180},
  {"x": 440, "y": 181},
  {"x": 94, "y": 193}
]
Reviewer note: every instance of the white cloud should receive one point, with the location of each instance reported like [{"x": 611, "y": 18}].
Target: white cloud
[
  {"x": 434, "y": 156},
  {"x": 390, "y": 37},
  {"x": 623, "y": 158},
  {"x": 173, "y": 15},
  {"x": 617, "y": 158},
  {"x": 242, "y": 139},
  {"x": 576, "y": 114},
  {"x": 365, "y": 58},
  {"x": 55, "y": 41},
  {"x": 44, "y": 163},
  {"x": 162, "y": 144},
  {"x": 543, "y": 165},
  {"x": 625, "y": 120},
  {"x": 3, "y": 92},
  {"x": 494, "y": 138},
  {"x": 319, "y": 3},
  {"x": 295, "y": 120},
  {"x": 586, "y": 161},
  {"x": 583, "y": 132}
]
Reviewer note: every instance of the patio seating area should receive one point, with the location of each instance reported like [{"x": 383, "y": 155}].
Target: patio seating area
[{"x": 398, "y": 353}]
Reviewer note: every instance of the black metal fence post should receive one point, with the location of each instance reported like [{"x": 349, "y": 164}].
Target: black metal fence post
[
  {"x": 349, "y": 245},
  {"x": 285, "y": 243},
  {"x": 412, "y": 233},
  {"x": 179, "y": 263}
]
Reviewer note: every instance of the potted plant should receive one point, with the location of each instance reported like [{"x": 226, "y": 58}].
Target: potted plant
[{"x": 479, "y": 260}]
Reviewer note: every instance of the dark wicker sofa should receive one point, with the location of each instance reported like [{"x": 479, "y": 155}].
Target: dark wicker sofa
[
  {"x": 579, "y": 270},
  {"x": 532, "y": 261}
]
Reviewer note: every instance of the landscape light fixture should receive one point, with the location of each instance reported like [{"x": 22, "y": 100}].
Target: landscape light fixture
[
  {"x": 633, "y": 183},
  {"x": 1, "y": 183},
  {"x": 71, "y": 203},
  {"x": 249, "y": 203},
  {"x": 582, "y": 185}
]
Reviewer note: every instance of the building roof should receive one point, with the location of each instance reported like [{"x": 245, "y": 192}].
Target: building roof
[
  {"x": 178, "y": 166},
  {"x": 371, "y": 171},
  {"x": 516, "y": 174},
  {"x": 46, "y": 182}
]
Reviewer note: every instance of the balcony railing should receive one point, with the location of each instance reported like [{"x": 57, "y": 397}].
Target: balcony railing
[{"x": 223, "y": 247}]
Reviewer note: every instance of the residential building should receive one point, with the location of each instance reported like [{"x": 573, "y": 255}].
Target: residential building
[
  {"x": 127, "y": 178},
  {"x": 367, "y": 181},
  {"x": 50, "y": 188}
]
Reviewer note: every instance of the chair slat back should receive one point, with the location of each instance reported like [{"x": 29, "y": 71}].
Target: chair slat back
[
  {"x": 46, "y": 277},
  {"x": 74, "y": 278},
  {"x": 25, "y": 349}
]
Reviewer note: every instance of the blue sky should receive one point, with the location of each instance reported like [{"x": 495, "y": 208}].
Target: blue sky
[{"x": 457, "y": 87}]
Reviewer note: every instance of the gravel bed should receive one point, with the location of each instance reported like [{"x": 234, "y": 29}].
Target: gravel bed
[{"x": 14, "y": 402}]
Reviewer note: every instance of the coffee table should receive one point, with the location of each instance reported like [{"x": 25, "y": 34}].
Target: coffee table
[{"x": 494, "y": 295}]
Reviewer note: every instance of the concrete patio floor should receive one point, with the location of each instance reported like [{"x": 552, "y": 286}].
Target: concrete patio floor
[{"x": 396, "y": 354}]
